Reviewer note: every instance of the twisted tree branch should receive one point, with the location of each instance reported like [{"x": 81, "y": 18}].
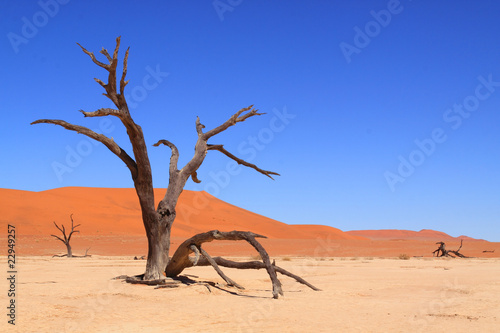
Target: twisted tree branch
[
  {"x": 102, "y": 113},
  {"x": 240, "y": 161},
  {"x": 123, "y": 83},
  {"x": 254, "y": 265},
  {"x": 94, "y": 59},
  {"x": 105, "y": 52},
  {"x": 73, "y": 228},
  {"x": 117, "y": 98},
  {"x": 235, "y": 118},
  {"x": 194, "y": 248},
  {"x": 110, "y": 143},
  {"x": 212, "y": 262},
  {"x": 175, "y": 154},
  {"x": 181, "y": 260},
  {"x": 62, "y": 240}
]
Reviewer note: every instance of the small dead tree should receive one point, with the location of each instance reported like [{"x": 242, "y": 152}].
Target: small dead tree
[
  {"x": 442, "y": 252},
  {"x": 158, "y": 220},
  {"x": 67, "y": 238}
]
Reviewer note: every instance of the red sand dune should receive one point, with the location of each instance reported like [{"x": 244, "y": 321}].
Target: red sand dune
[
  {"x": 111, "y": 224},
  {"x": 112, "y": 211},
  {"x": 393, "y": 234}
]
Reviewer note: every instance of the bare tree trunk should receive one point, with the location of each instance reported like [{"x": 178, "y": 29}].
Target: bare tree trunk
[
  {"x": 70, "y": 253},
  {"x": 158, "y": 251}
]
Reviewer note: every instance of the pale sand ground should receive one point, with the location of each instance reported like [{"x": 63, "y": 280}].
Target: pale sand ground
[{"x": 359, "y": 295}]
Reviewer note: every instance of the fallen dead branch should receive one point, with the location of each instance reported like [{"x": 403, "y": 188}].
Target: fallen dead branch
[
  {"x": 442, "y": 252},
  {"x": 182, "y": 260}
]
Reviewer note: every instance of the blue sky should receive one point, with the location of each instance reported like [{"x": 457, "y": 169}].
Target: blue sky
[{"x": 380, "y": 114}]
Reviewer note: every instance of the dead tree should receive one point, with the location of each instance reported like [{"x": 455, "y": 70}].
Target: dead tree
[
  {"x": 67, "y": 238},
  {"x": 157, "y": 221},
  {"x": 442, "y": 252}
]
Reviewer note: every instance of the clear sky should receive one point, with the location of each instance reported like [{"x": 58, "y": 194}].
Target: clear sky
[{"x": 380, "y": 114}]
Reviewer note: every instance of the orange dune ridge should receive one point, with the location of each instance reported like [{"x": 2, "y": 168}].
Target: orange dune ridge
[
  {"x": 393, "y": 234},
  {"x": 111, "y": 224},
  {"x": 116, "y": 211}
]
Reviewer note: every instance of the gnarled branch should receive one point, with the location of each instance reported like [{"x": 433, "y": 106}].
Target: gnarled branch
[
  {"x": 174, "y": 158},
  {"x": 201, "y": 148},
  {"x": 212, "y": 262},
  {"x": 199, "y": 127},
  {"x": 62, "y": 240},
  {"x": 102, "y": 113},
  {"x": 110, "y": 143},
  {"x": 123, "y": 83},
  {"x": 94, "y": 59},
  {"x": 73, "y": 228},
  {"x": 181, "y": 260},
  {"x": 134, "y": 131},
  {"x": 235, "y": 118},
  {"x": 194, "y": 248},
  {"x": 240, "y": 161},
  {"x": 254, "y": 265},
  {"x": 122, "y": 112},
  {"x": 117, "y": 98}
]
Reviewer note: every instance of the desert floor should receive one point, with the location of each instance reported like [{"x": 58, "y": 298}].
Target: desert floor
[{"x": 359, "y": 294}]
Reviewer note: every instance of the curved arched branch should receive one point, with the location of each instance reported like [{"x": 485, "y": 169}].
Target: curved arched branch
[
  {"x": 181, "y": 260},
  {"x": 110, "y": 143},
  {"x": 175, "y": 154},
  {"x": 194, "y": 177},
  {"x": 240, "y": 161}
]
